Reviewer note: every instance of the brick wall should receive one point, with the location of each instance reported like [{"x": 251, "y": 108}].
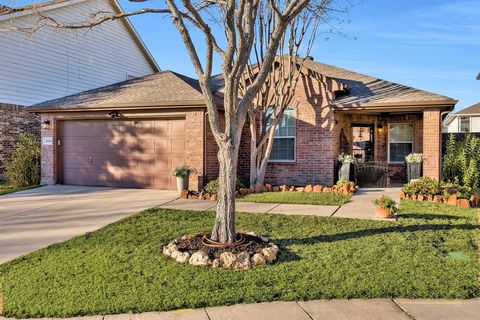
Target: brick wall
[
  {"x": 432, "y": 139},
  {"x": 315, "y": 129},
  {"x": 14, "y": 120},
  {"x": 211, "y": 161}
]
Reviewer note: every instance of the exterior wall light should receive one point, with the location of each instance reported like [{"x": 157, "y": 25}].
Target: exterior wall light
[
  {"x": 114, "y": 114},
  {"x": 46, "y": 124},
  {"x": 380, "y": 128}
]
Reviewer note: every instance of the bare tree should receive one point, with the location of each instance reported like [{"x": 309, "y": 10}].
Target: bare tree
[
  {"x": 278, "y": 89},
  {"x": 240, "y": 22}
]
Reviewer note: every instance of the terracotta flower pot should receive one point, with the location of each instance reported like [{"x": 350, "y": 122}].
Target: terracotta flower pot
[{"x": 382, "y": 212}]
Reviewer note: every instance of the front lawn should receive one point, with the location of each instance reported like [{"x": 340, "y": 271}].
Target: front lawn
[
  {"x": 317, "y": 198},
  {"x": 6, "y": 189},
  {"x": 431, "y": 252}
]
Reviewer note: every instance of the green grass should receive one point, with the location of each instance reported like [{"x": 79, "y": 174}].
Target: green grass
[
  {"x": 6, "y": 189},
  {"x": 325, "y": 199},
  {"x": 431, "y": 252}
]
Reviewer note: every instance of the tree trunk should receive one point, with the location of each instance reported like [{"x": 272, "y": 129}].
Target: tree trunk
[{"x": 224, "y": 228}]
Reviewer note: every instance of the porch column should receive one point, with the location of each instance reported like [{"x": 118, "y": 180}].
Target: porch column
[{"x": 432, "y": 143}]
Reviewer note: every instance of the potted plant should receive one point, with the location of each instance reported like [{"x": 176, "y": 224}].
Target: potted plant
[
  {"x": 414, "y": 166},
  {"x": 385, "y": 207},
  {"x": 183, "y": 175},
  {"x": 346, "y": 163}
]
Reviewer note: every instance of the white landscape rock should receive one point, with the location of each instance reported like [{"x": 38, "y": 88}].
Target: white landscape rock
[
  {"x": 216, "y": 263},
  {"x": 199, "y": 258},
  {"x": 170, "y": 248},
  {"x": 258, "y": 259},
  {"x": 270, "y": 254},
  {"x": 228, "y": 259},
  {"x": 182, "y": 257},
  {"x": 174, "y": 254},
  {"x": 243, "y": 259}
]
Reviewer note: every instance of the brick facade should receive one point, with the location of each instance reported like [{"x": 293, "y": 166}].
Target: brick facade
[
  {"x": 318, "y": 141},
  {"x": 321, "y": 134},
  {"x": 432, "y": 140},
  {"x": 14, "y": 120}
]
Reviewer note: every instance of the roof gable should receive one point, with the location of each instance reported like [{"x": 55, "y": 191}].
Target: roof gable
[{"x": 363, "y": 89}]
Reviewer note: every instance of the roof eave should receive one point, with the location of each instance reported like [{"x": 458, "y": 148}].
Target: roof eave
[
  {"x": 116, "y": 106},
  {"x": 448, "y": 105}
]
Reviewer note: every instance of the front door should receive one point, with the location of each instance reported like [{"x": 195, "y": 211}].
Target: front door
[{"x": 363, "y": 142}]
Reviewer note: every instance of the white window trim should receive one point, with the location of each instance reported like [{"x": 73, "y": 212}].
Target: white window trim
[
  {"x": 460, "y": 124},
  {"x": 294, "y": 148},
  {"x": 388, "y": 140},
  {"x": 288, "y": 137}
]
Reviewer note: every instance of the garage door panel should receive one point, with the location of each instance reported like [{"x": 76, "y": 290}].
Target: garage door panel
[
  {"x": 163, "y": 181},
  {"x": 163, "y": 164},
  {"x": 73, "y": 162},
  {"x": 123, "y": 153},
  {"x": 177, "y": 129},
  {"x": 81, "y": 145}
]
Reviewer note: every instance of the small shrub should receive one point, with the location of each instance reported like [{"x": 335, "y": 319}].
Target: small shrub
[
  {"x": 212, "y": 186},
  {"x": 387, "y": 203},
  {"x": 23, "y": 170},
  {"x": 182, "y": 171},
  {"x": 424, "y": 186},
  {"x": 461, "y": 161}
]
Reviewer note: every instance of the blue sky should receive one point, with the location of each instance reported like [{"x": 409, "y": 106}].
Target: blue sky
[{"x": 431, "y": 45}]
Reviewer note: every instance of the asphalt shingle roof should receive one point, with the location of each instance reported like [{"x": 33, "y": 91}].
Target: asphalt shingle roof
[
  {"x": 366, "y": 89},
  {"x": 163, "y": 87},
  {"x": 471, "y": 110}
]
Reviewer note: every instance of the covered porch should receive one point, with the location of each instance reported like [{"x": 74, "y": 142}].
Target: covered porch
[{"x": 380, "y": 138}]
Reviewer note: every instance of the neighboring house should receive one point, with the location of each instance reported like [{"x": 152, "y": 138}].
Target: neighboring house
[
  {"x": 463, "y": 121},
  {"x": 49, "y": 64},
  {"x": 133, "y": 133}
]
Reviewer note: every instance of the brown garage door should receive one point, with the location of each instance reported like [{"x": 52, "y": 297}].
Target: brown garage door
[{"x": 115, "y": 153}]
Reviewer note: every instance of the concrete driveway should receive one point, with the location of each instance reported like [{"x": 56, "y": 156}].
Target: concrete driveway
[{"x": 36, "y": 218}]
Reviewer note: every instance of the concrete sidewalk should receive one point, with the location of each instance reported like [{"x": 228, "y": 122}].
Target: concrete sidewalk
[
  {"x": 254, "y": 207},
  {"x": 360, "y": 206},
  {"x": 357, "y": 309}
]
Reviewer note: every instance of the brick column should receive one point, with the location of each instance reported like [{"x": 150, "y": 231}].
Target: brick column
[
  {"x": 432, "y": 139},
  {"x": 48, "y": 152}
]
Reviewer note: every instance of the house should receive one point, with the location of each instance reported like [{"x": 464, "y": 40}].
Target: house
[
  {"x": 134, "y": 132},
  {"x": 49, "y": 64},
  {"x": 463, "y": 121}
]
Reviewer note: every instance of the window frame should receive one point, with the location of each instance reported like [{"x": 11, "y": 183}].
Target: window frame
[
  {"x": 388, "y": 140},
  {"x": 294, "y": 137},
  {"x": 460, "y": 124}
]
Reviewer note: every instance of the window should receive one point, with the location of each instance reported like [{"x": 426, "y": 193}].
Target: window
[
  {"x": 464, "y": 123},
  {"x": 283, "y": 148},
  {"x": 400, "y": 141}
]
